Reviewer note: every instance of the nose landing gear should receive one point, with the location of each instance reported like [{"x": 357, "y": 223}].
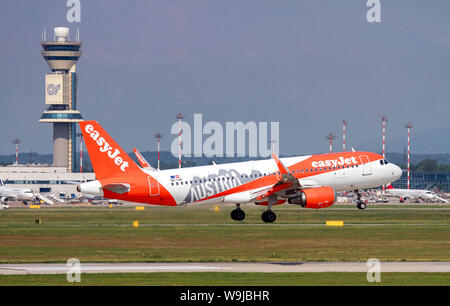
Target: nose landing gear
[{"x": 359, "y": 203}]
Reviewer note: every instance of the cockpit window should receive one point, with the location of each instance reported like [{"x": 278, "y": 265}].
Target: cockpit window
[
  {"x": 386, "y": 162},
  {"x": 381, "y": 162}
]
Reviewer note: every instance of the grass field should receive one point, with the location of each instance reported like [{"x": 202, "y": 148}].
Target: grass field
[
  {"x": 191, "y": 234},
  {"x": 230, "y": 279}
]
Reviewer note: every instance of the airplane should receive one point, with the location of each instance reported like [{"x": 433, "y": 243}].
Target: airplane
[
  {"x": 15, "y": 194},
  {"x": 144, "y": 164},
  {"x": 309, "y": 181},
  {"x": 404, "y": 194}
]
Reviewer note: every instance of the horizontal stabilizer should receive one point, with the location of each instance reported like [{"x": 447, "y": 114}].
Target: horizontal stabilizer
[{"x": 117, "y": 188}]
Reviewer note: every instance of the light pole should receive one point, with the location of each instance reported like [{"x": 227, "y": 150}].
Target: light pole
[
  {"x": 408, "y": 126},
  {"x": 331, "y": 137},
  {"x": 158, "y": 136},
  {"x": 180, "y": 117},
  {"x": 16, "y": 142},
  {"x": 81, "y": 151},
  {"x": 344, "y": 125}
]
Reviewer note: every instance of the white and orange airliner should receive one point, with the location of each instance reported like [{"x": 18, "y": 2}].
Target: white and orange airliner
[{"x": 309, "y": 181}]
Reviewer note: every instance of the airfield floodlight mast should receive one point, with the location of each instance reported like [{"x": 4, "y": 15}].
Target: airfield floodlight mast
[
  {"x": 81, "y": 151},
  {"x": 180, "y": 117},
  {"x": 408, "y": 126},
  {"x": 344, "y": 125},
  {"x": 331, "y": 137},
  {"x": 16, "y": 142},
  {"x": 158, "y": 136}
]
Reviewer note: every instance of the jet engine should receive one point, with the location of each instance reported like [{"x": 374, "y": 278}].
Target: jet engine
[
  {"x": 4, "y": 200},
  {"x": 319, "y": 197}
]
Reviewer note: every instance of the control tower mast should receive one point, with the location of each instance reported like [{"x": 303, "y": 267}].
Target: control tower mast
[{"x": 61, "y": 95}]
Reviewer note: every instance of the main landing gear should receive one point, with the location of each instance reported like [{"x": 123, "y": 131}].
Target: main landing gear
[
  {"x": 238, "y": 214},
  {"x": 268, "y": 216},
  {"x": 359, "y": 203}
]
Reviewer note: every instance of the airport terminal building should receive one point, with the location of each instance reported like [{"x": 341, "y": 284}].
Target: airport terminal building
[
  {"x": 44, "y": 179},
  {"x": 425, "y": 180}
]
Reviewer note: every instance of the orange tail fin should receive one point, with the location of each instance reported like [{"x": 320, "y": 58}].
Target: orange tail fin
[{"x": 107, "y": 157}]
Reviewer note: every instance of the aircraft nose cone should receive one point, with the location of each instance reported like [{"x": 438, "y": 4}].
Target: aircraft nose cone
[{"x": 396, "y": 171}]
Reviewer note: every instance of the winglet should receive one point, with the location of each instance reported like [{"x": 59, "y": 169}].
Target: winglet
[
  {"x": 281, "y": 167},
  {"x": 389, "y": 187}
]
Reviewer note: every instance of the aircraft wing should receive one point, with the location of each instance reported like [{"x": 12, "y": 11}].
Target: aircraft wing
[
  {"x": 441, "y": 199},
  {"x": 7, "y": 196},
  {"x": 286, "y": 176},
  {"x": 286, "y": 180},
  {"x": 407, "y": 196}
]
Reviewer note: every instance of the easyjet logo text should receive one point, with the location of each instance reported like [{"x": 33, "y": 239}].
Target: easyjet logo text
[
  {"x": 335, "y": 162},
  {"x": 104, "y": 147}
]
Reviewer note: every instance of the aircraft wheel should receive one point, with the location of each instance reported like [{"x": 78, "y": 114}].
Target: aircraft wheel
[
  {"x": 268, "y": 216},
  {"x": 361, "y": 205},
  {"x": 237, "y": 214}
]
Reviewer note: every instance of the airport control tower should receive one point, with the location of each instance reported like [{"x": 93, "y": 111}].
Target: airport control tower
[{"x": 61, "y": 94}]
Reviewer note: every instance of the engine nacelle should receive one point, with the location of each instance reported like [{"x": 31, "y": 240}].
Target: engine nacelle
[
  {"x": 316, "y": 198},
  {"x": 4, "y": 200}
]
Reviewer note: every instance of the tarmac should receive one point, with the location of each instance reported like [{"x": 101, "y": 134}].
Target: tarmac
[{"x": 267, "y": 267}]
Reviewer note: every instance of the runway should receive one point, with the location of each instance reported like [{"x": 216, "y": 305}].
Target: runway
[{"x": 286, "y": 267}]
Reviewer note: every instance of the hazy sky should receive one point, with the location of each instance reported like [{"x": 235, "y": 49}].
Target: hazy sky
[{"x": 307, "y": 64}]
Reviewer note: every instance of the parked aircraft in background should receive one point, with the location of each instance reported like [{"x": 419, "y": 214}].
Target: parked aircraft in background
[
  {"x": 309, "y": 181},
  {"x": 413, "y": 194},
  {"x": 142, "y": 160},
  {"x": 15, "y": 194}
]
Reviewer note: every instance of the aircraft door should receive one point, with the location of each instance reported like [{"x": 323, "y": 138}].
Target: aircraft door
[
  {"x": 153, "y": 186},
  {"x": 367, "y": 168}
]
